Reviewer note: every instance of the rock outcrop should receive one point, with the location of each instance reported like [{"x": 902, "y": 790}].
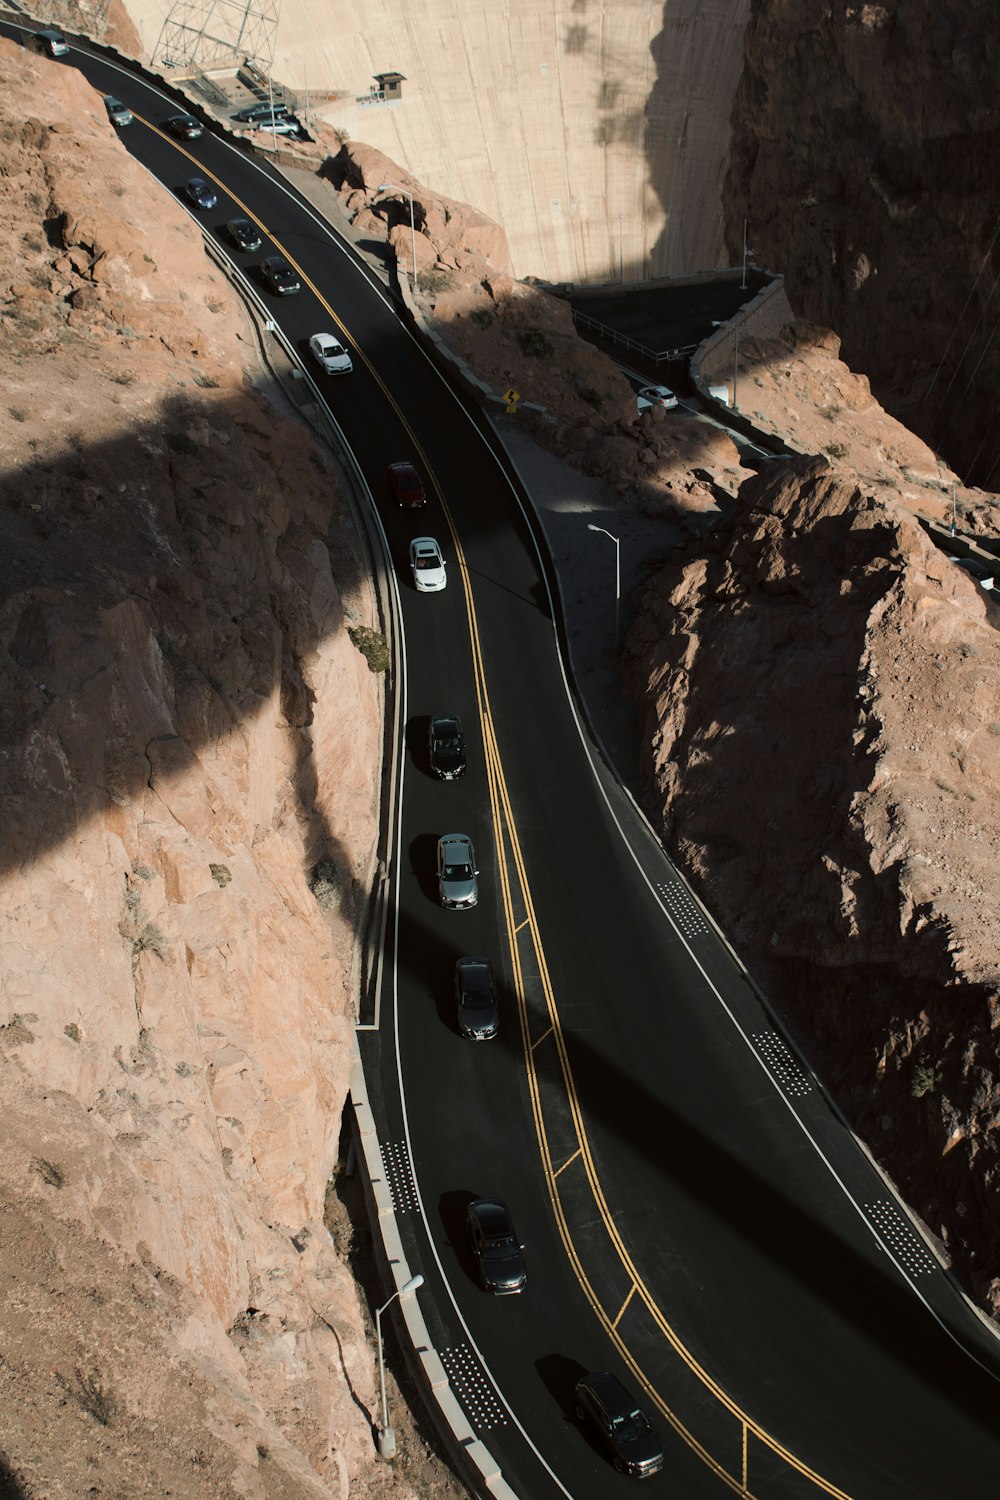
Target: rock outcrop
[
  {"x": 186, "y": 734},
  {"x": 820, "y": 650},
  {"x": 864, "y": 140}
]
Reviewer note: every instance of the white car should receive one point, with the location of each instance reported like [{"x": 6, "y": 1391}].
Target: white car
[
  {"x": 428, "y": 565},
  {"x": 330, "y": 353},
  {"x": 656, "y": 395}
]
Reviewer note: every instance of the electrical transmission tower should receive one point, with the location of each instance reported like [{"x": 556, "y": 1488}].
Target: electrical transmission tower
[{"x": 218, "y": 33}]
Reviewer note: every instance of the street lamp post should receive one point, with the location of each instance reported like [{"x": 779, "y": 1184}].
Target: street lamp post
[
  {"x": 386, "y": 1436},
  {"x": 743, "y": 283},
  {"x": 391, "y": 187},
  {"x": 621, "y": 245},
  {"x": 618, "y": 572}
]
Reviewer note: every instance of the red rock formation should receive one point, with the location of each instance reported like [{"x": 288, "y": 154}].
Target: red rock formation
[
  {"x": 823, "y": 697},
  {"x": 863, "y": 155}
]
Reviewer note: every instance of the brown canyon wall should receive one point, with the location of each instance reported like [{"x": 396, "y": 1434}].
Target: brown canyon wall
[
  {"x": 865, "y": 138},
  {"x": 820, "y": 650},
  {"x": 185, "y": 730}
]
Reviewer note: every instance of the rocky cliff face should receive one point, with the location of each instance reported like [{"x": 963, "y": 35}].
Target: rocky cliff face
[
  {"x": 864, "y": 142},
  {"x": 186, "y": 731},
  {"x": 821, "y": 650}
]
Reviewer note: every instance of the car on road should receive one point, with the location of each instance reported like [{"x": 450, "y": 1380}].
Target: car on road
[
  {"x": 446, "y": 747},
  {"x": 118, "y": 113},
  {"x": 476, "y": 999},
  {"x": 458, "y": 887},
  {"x": 656, "y": 395},
  {"x": 200, "y": 193},
  {"x": 184, "y": 127},
  {"x": 330, "y": 354},
  {"x": 428, "y": 565},
  {"x": 496, "y": 1248},
  {"x": 51, "y": 41},
  {"x": 619, "y": 1423},
  {"x": 262, "y": 110},
  {"x": 243, "y": 234},
  {"x": 406, "y": 485},
  {"x": 279, "y": 276}
]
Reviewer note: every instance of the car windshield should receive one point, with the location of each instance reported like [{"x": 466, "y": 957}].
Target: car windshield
[
  {"x": 458, "y": 872},
  {"x": 447, "y": 740},
  {"x": 631, "y": 1425}
]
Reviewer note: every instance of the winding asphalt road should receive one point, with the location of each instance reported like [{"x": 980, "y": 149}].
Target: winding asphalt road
[{"x": 695, "y": 1215}]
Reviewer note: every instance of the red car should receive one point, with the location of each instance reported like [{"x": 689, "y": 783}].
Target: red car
[{"x": 407, "y": 486}]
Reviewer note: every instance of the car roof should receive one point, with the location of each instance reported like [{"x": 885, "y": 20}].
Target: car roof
[{"x": 609, "y": 1390}]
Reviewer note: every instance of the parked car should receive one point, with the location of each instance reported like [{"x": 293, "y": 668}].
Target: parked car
[
  {"x": 51, "y": 42},
  {"x": 428, "y": 565},
  {"x": 407, "y": 485},
  {"x": 262, "y": 110},
  {"x": 279, "y": 276},
  {"x": 620, "y": 1424},
  {"x": 656, "y": 395},
  {"x": 184, "y": 127},
  {"x": 243, "y": 234},
  {"x": 458, "y": 887},
  {"x": 118, "y": 113},
  {"x": 495, "y": 1246},
  {"x": 286, "y": 125},
  {"x": 446, "y": 747},
  {"x": 476, "y": 999},
  {"x": 201, "y": 193},
  {"x": 330, "y": 353}
]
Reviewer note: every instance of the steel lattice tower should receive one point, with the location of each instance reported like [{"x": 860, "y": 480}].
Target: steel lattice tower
[{"x": 217, "y": 33}]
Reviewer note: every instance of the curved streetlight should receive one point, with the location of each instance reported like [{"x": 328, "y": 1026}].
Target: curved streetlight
[
  {"x": 392, "y": 187},
  {"x": 386, "y": 1436},
  {"x": 618, "y": 571}
]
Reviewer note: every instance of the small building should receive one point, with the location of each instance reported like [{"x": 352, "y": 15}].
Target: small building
[{"x": 388, "y": 85}]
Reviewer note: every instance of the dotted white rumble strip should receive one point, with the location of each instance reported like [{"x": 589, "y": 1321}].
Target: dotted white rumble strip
[
  {"x": 901, "y": 1238},
  {"x": 399, "y": 1176},
  {"x": 783, "y": 1063},
  {"x": 684, "y": 909},
  {"x": 474, "y": 1391}
]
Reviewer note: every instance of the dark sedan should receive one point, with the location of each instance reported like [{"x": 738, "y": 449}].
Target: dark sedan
[
  {"x": 446, "y": 747},
  {"x": 201, "y": 193},
  {"x": 495, "y": 1246},
  {"x": 184, "y": 127},
  {"x": 279, "y": 276},
  {"x": 407, "y": 485},
  {"x": 243, "y": 234},
  {"x": 476, "y": 999}
]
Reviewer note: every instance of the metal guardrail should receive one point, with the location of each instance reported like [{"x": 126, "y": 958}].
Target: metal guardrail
[{"x": 656, "y": 357}]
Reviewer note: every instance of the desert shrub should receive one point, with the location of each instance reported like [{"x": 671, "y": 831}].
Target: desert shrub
[
  {"x": 220, "y": 874},
  {"x": 836, "y": 450},
  {"x": 534, "y": 343},
  {"x": 135, "y": 927},
  {"x": 373, "y": 646},
  {"x": 324, "y": 882},
  {"x": 483, "y": 317},
  {"x": 49, "y": 1172},
  {"x": 72, "y": 1031},
  {"x": 179, "y": 442},
  {"x": 593, "y": 398}
]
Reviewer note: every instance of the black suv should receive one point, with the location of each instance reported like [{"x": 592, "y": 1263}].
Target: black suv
[
  {"x": 446, "y": 747},
  {"x": 622, "y": 1426},
  {"x": 262, "y": 110},
  {"x": 495, "y": 1246},
  {"x": 279, "y": 276}
]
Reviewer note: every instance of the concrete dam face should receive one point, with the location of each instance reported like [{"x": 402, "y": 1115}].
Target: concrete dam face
[{"x": 595, "y": 131}]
